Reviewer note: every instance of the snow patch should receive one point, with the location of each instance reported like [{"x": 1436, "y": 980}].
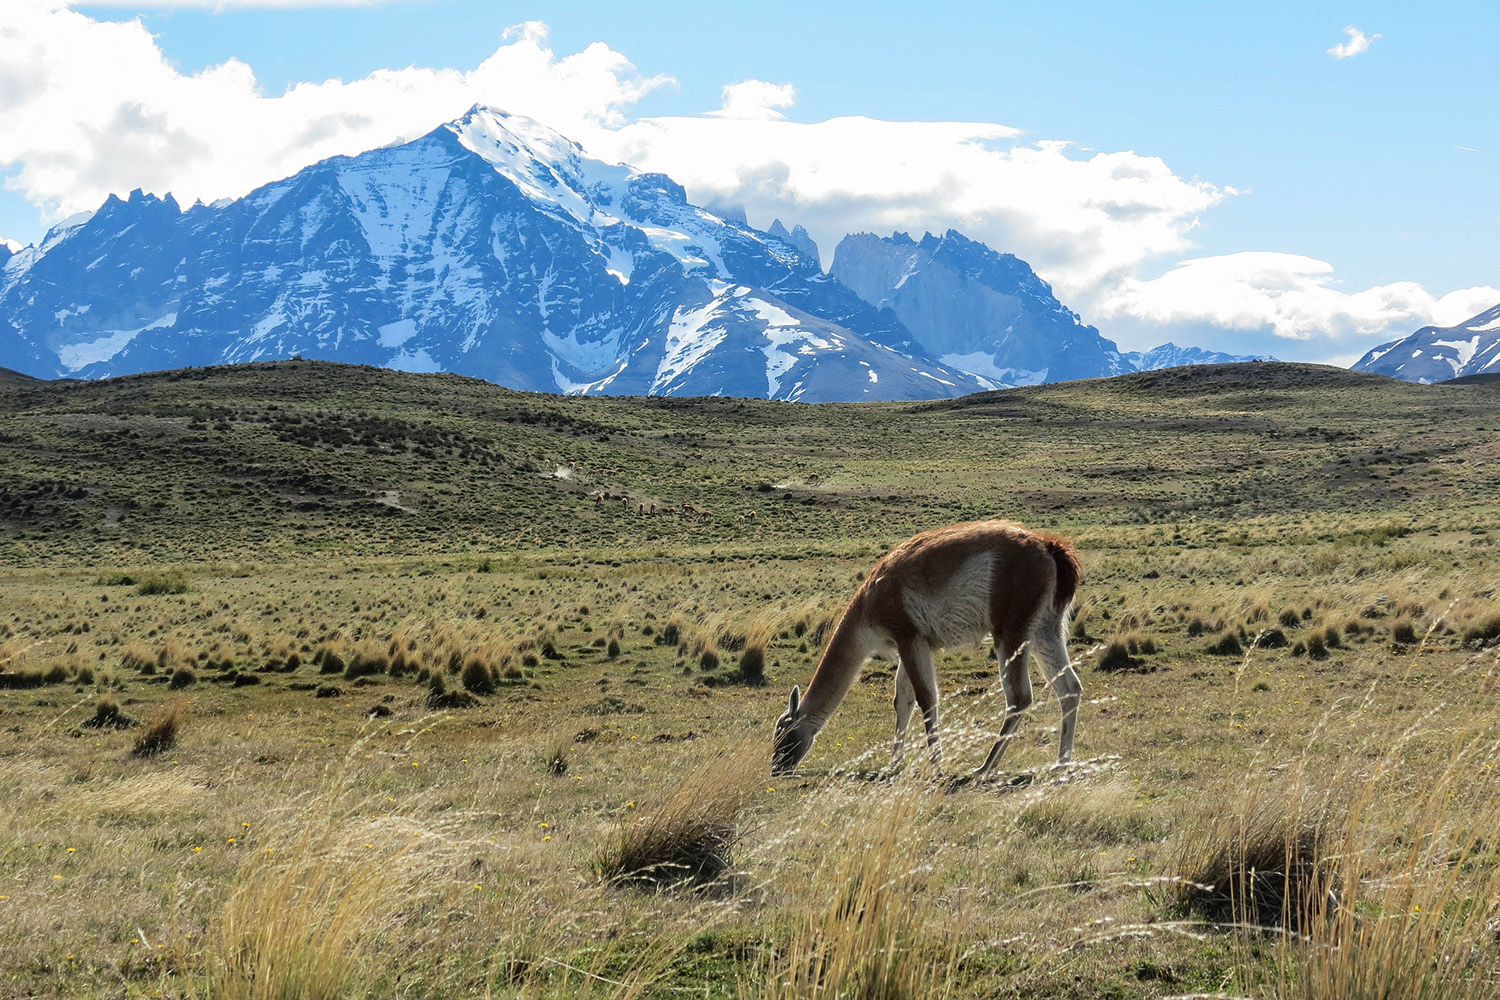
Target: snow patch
[
  {"x": 689, "y": 341},
  {"x": 1464, "y": 348},
  {"x": 76, "y": 356},
  {"x": 783, "y": 330},
  {"x": 983, "y": 365},
  {"x": 621, "y": 265},
  {"x": 397, "y": 333},
  {"x": 418, "y": 361},
  {"x": 585, "y": 356}
]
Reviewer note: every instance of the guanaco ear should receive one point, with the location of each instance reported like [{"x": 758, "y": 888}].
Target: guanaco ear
[{"x": 793, "y": 701}]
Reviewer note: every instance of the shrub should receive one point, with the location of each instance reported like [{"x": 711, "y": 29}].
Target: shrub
[
  {"x": 438, "y": 695},
  {"x": 364, "y": 663},
  {"x": 1267, "y": 866},
  {"x": 1316, "y": 649},
  {"x": 21, "y": 679},
  {"x": 332, "y": 662},
  {"x": 1271, "y": 638},
  {"x": 613, "y": 649},
  {"x": 182, "y": 677},
  {"x": 108, "y": 715},
  {"x": 1290, "y": 619},
  {"x": 1227, "y": 644},
  {"x": 477, "y": 676},
  {"x": 709, "y": 660},
  {"x": 1484, "y": 632},
  {"x": 1332, "y": 637},
  {"x": 163, "y": 583},
  {"x": 1116, "y": 656},
  {"x": 161, "y": 734},
  {"x": 753, "y": 665},
  {"x": 1403, "y": 632},
  {"x": 690, "y": 836},
  {"x": 115, "y": 578}
]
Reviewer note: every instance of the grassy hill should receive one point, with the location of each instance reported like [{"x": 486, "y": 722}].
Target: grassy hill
[
  {"x": 291, "y": 457},
  {"x": 434, "y": 664}
]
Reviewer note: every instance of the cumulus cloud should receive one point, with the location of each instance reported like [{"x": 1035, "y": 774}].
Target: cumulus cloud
[
  {"x": 1078, "y": 219},
  {"x": 10, "y": 244},
  {"x": 1358, "y": 42},
  {"x": 1290, "y": 297},
  {"x": 90, "y": 107},
  {"x": 756, "y": 99}
]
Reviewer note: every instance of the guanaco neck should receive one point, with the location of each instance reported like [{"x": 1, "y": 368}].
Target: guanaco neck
[{"x": 845, "y": 654}]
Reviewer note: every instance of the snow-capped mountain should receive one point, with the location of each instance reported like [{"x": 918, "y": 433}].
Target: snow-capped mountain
[
  {"x": 974, "y": 308},
  {"x": 1169, "y": 355},
  {"x": 1438, "y": 353},
  {"x": 988, "y": 313},
  {"x": 492, "y": 247},
  {"x": 798, "y": 237}
]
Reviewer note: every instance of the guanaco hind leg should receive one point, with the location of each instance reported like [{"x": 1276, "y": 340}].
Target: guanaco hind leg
[
  {"x": 1015, "y": 679},
  {"x": 1051, "y": 640}
]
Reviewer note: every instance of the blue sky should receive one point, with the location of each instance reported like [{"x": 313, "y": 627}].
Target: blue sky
[{"x": 1299, "y": 204}]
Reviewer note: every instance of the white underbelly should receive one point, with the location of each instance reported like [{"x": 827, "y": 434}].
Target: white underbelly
[{"x": 958, "y": 612}]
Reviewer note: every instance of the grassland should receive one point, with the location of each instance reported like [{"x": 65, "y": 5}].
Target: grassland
[{"x": 435, "y": 664}]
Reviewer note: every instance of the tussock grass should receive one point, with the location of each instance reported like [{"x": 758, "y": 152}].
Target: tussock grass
[
  {"x": 690, "y": 836},
  {"x": 175, "y": 582},
  {"x": 872, "y": 939},
  {"x": 1264, "y": 862},
  {"x": 306, "y": 911},
  {"x": 1417, "y": 913},
  {"x": 160, "y": 734}
]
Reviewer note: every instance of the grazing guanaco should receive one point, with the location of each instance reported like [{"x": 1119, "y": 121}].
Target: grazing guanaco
[{"x": 947, "y": 587}]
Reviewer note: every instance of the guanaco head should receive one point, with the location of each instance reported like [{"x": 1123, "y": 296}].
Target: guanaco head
[{"x": 794, "y": 737}]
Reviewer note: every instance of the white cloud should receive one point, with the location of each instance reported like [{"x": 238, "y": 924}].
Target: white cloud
[
  {"x": 756, "y": 99},
  {"x": 12, "y": 245},
  {"x": 90, "y": 107},
  {"x": 1358, "y": 42},
  {"x": 1079, "y": 219},
  {"x": 1290, "y": 297}
]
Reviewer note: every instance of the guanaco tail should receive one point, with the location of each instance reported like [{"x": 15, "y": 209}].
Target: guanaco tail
[{"x": 947, "y": 587}]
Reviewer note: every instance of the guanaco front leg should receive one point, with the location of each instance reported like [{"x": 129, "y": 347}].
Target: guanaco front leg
[
  {"x": 906, "y": 697},
  {"x": 916, "y": 664}
]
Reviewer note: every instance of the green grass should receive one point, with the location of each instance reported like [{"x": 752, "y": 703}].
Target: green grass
[{"x": 419, "y": 675}]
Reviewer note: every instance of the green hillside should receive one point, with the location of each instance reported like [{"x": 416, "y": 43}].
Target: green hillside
[{"x": 295, "y": 457}]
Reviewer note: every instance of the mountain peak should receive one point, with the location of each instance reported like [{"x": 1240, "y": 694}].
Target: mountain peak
[
  {"x": 974, "y": 307},
  {"x": 798, "y": 238},
  {"x": 1438, "y": 353}
]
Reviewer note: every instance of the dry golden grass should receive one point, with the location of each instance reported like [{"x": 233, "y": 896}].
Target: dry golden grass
[
  {"x": 872, "y": 937},
  {"x": 160, "y": 734},
  {"x": 690, "y": 836}
]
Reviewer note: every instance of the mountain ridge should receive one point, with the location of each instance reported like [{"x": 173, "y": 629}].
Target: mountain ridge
[
  {"x": 492, "y": 246},
  {"x": 1440, "y": 353}
]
